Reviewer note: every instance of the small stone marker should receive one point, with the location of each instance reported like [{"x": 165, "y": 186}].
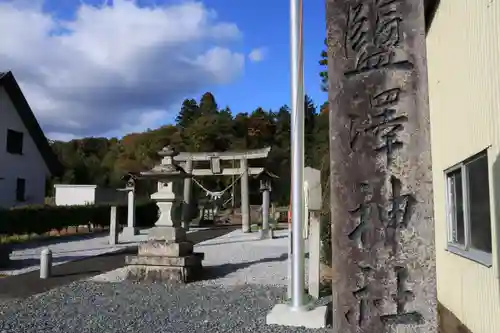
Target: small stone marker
[
  {"x": 381, "y": 199},
  {"x": 113, "y": 230},
  {"x": 45, "y": 264},
  {"x": 314, "y": 254},
  {"x": 312, "y": 177}
]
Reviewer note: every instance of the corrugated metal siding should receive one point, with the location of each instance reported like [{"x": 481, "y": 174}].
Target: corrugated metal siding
[{"x": 463, "y": 48}]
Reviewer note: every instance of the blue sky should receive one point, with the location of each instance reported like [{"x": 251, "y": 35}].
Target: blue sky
[
  {"x": 108, "y": 68},
  {"x": 266, "y": 83}
]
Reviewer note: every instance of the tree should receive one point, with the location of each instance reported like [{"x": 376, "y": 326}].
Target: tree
[
  {"x": 208, "y": 104},
  {"x": 309, "y": 129},
  {"x": 199, "y": 127},
  {"x": 188, "y": 113},
  {"x": 324, "y": 71}
]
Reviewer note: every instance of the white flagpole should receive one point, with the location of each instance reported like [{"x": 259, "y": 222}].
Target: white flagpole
[{"x": 297, "y": 152}]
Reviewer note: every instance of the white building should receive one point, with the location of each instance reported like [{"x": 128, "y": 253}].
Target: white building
[
  {"x": 69, "y": 195},
  {"x": 26, "y": 158}
]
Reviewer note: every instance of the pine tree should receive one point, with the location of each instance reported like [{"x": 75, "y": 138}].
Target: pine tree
[
  {"x": 188, "y": 113},
  {"x": 207, "y": 104}
]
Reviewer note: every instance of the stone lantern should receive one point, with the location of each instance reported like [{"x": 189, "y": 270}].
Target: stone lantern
[
  {"x": 167, "y": 254},
  {"x": 130, "y": 182},
  {"x": 265, "y": 178}
]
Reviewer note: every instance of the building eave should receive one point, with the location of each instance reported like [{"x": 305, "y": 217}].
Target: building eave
[{"x": 431, "y": 7}]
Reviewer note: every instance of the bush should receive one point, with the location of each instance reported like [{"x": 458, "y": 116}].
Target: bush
[{"x": 42, "y": 219}]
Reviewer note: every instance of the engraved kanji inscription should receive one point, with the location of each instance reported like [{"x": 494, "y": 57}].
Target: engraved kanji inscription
[
  {"x": 356, "y": 35},
  {"x": 373, "y": 34},
  {"x": 396, "y": 214},
  {"x": 366, "y": 304},
  {"x": 363, "y": 215},
  {"x": 402, "y": 297},
  {"x": 382, "y": 121}
]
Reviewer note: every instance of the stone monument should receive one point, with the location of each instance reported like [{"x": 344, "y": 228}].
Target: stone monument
[
  {"x": 167, "y": 255},
  {"x": 381, "y": 183}
]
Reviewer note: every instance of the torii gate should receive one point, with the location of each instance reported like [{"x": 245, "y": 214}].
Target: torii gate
[{"x": 186, "y": 160}]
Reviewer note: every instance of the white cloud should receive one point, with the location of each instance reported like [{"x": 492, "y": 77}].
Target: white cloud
[
  {"x": 114, "y": 68},
  {"x": 258, "y": 54}
]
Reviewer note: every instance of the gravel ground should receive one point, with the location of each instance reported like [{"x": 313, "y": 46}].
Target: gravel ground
[
  {"x": 237, "y": 258},
  {"x": 125, "y": 307},
  {"x": 246, "y": 278},
  {"x": 27, "y": 256}
]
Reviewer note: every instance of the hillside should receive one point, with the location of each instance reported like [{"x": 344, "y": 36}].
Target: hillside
[{"x": 200, "y": 126}]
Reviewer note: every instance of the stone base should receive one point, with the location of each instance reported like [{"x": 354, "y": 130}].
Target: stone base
[
  {"x": 129, "y": 232},
  {"x": 192, "y": 260},
  {"x": 164, "y": 269},
  {"x": 266, "y": 234},
  {"x": 283, "y": 315},
  {"x": 167, "y": 234},
  {"x": 162, "y": 274},
  {"x": 165, "y": 249}
]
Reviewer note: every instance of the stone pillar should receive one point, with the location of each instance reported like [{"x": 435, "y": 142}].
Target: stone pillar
[
  {"x": 45, "y": 264},
  {"x": 113, "y": 232},
  {"x": 130, "y": 230},
  {"x": 264, "y": 233},
  {"x": 186, "y": 205},
  {"x": 314, "y": 243},
  {"x": 381, "y": 198},
  {"x": 245, "y": 202},
  {"x": 167, "y": 255}
]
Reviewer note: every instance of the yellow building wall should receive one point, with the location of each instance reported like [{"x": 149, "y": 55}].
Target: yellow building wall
[{"x": 463, "y": 47}]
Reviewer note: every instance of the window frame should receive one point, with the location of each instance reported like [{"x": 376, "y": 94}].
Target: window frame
[
  {"x": 466, "y": 250},
  {"x": 18, "y": 198},
  {"x": 7, "y": 146}
]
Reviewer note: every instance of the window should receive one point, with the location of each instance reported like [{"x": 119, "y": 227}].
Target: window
[
  {"x": 14, "y": 142},
  {"x": 469, "y": 209},
  {"x": 21, "y": 189}
]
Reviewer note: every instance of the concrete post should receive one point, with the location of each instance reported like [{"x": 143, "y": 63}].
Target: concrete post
[
  {"x": 186, "y": 206},
  {"x": 289, "y": 262},
  {"x": 245, "y": 204},
  {"x": 264, "y": 233},
  {"x": 131, "y": 210},
  {"x": 130, "y": 230},
  {"x": 45, "y": 264},
  {"x": 113, "y": 232},
  {"x": 314, "y": 253}
]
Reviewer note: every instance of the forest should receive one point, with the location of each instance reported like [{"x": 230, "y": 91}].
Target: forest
[
  {"x": 199, "y": 126},
  {"x": 202, "y": 125}
]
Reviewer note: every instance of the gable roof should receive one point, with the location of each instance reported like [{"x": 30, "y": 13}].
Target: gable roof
[{"x": 9, "y": 83}]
